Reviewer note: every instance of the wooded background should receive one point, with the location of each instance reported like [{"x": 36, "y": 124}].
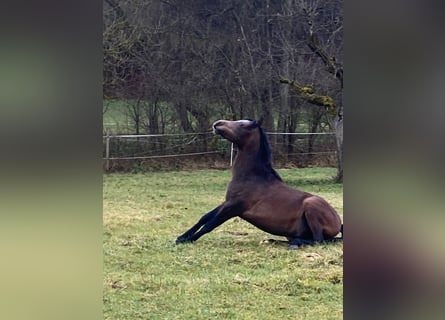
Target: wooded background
[{"x": 180, "y": 65}]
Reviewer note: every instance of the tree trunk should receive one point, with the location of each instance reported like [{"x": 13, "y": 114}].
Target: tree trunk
[
  {"x": 337, "y": 70},
  {"x": 315, "y": 121},
  {"x": 183, "y": 117},
  {"x": 339, "y": 140},
  {"x": 336, "y": 115}
]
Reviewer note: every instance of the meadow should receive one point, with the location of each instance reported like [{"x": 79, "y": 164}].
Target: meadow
[{"x": 227, "y": 274}]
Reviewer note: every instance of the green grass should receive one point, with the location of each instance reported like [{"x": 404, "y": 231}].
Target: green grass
[{"x": 227, "y": 274}]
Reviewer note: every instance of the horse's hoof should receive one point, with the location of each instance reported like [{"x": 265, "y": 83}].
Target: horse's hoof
[
  {"x": 294, "y": 246},
  {"x": 182, "y": 240}
]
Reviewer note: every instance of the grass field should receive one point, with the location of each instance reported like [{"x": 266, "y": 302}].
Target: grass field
[{"x": 227, "y": 274}]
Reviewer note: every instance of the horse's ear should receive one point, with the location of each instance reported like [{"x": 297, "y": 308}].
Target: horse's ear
[{"x": 259, "y": 122}]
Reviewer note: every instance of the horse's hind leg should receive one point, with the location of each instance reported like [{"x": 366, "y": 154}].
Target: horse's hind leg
[
  {"x": 186, "y": 237},
  {"x": 313, "y": 222},
  {"x": 297, "y": 242},
  {"x": 316, "y": 228}
]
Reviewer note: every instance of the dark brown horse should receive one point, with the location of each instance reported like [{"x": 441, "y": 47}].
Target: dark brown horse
[{"x": 258, "y": 195}]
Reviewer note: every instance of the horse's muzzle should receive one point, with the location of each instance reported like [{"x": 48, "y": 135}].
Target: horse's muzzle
[{"x": 217, "y": 124}]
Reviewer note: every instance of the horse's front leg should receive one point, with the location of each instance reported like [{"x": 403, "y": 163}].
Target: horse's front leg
[
  {"x": 186, "y": 237},
  {"x": 226, "y": 211}
]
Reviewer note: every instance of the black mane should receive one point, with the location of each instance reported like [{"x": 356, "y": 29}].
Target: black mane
[{"x": 265, "y": 156}]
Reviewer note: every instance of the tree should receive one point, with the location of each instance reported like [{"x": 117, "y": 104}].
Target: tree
[
  {"x": 180, "y": 65},
  {"x": 332, "y": 27}
]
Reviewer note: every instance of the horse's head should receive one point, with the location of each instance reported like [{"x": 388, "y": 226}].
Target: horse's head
[
  {"x": 253, "y": 146},
  {"x": 240, "y": 132}
]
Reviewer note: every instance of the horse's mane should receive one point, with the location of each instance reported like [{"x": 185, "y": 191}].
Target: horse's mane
[{"x": 265, "y": 155}]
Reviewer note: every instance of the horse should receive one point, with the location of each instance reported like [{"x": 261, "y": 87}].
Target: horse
[{"x": 258, "y": 195}]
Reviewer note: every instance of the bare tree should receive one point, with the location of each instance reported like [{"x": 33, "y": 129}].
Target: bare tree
[
  {"x": 180, "y": 65},
  {"x": 330, "y": 28}
]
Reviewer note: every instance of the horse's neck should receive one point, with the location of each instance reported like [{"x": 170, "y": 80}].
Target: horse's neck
[{"x": 246, "y": 163}]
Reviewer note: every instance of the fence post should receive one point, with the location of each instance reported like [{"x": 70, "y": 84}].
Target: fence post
[{"x": 107, "y": 153}]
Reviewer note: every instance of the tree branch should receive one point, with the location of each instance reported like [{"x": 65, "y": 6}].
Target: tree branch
[
  {"x": 333, "y": 66},
  {"x": 307, "y": 93}
]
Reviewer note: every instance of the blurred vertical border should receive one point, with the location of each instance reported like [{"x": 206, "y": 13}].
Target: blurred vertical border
[
  {"x": 51, "y": 174},
  {"x": 394, "y": 155}
]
